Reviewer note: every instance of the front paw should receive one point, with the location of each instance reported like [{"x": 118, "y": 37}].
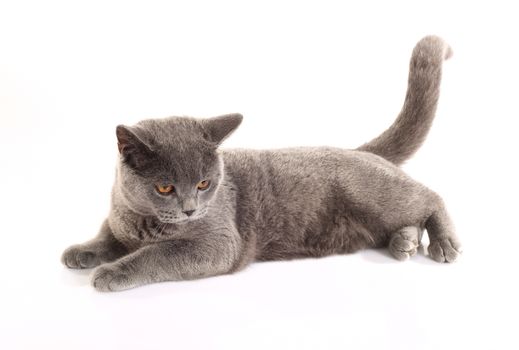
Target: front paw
[
  {"x": 112, "y": 277},
  {"x": 80, "y": 257}
]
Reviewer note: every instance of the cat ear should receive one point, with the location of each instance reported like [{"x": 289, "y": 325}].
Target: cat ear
[
  {"x": 219, "y": 128},
  {"x": 133, "y": 151}
]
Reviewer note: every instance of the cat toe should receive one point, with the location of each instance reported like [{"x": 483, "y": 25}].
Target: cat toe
[{"x": 444, "y": 250}]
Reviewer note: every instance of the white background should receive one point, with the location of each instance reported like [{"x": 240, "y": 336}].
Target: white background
[{"x": 302, "y": 73}]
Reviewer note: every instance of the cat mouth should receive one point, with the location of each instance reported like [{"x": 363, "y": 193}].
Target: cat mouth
[
  {"x": 179, "y": 221},
  {"x": 173, "y": 221},
  {"x": 170, "y": 219}
]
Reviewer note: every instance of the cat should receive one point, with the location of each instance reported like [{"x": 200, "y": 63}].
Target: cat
[{"x": 183, "y": 209}]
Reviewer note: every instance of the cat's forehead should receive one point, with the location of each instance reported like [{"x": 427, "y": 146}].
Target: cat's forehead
[
  {"x": 174, "y": 131},
  {"x": 179, "y": 144}
]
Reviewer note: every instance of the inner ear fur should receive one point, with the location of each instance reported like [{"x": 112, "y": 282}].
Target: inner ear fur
[{"x": 133, "y": 150}]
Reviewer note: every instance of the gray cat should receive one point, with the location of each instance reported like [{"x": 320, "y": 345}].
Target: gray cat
[{"x": 183, "y": 209}]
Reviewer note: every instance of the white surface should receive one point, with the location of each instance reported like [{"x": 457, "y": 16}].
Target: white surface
[{"x": 302, "y": 73}]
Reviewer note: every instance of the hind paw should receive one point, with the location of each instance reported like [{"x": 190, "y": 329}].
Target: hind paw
[
  {"x": 444, "y": 249},
  {"x": 404, "y": 243}
]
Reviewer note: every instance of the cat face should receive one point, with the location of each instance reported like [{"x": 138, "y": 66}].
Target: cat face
[{"x": 170, "y": 168}]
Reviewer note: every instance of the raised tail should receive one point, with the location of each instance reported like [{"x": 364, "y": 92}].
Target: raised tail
[{"x": 408, "y": 132}]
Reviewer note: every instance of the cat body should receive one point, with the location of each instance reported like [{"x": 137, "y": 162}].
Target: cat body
[
  {"x": 183, "y": 209},
  {"x": 308, "y": 201}
]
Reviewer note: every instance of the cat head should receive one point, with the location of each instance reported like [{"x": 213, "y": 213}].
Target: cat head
[{"x": 170, "y": 168}]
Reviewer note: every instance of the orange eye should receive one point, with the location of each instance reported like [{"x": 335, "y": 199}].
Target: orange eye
[
  {"x": 165, "y": 189},
  {"x": 203, "y": 185}
]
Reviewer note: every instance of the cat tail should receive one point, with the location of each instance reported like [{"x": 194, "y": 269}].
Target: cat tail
[{"x": 408, "y": 132}]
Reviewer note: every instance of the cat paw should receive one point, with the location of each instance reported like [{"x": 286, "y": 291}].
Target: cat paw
[
  {"x": 112, "y": 278},
  {"x": 404, "y": 243},
  {"x": 79, "y": 257},
  {"x": 444, "y": 249}
]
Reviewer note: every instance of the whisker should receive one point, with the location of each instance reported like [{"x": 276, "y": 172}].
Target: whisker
[{"x": 163, "y": 228}]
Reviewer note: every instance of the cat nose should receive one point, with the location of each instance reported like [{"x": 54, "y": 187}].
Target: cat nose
[{"x": 189, "y": 205}]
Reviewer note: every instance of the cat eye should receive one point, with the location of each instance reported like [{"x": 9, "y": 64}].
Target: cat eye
[
  {"x": 203, "y": 185},
  {"x": 165, "y": 189}
]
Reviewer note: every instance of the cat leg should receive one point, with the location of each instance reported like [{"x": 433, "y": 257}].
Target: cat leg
[
  {"x": 404, "y": 243},
  {"x": 444, "y": 245},
  {"x": 103, "y": 248},
  {"x": 174, "y": 260}
]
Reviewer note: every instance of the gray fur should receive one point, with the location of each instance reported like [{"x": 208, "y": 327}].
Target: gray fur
[
  {"x": 408, "y": 132},
  {"x": 404, "y": 243},
  {"x": 264, "y": 205}
]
